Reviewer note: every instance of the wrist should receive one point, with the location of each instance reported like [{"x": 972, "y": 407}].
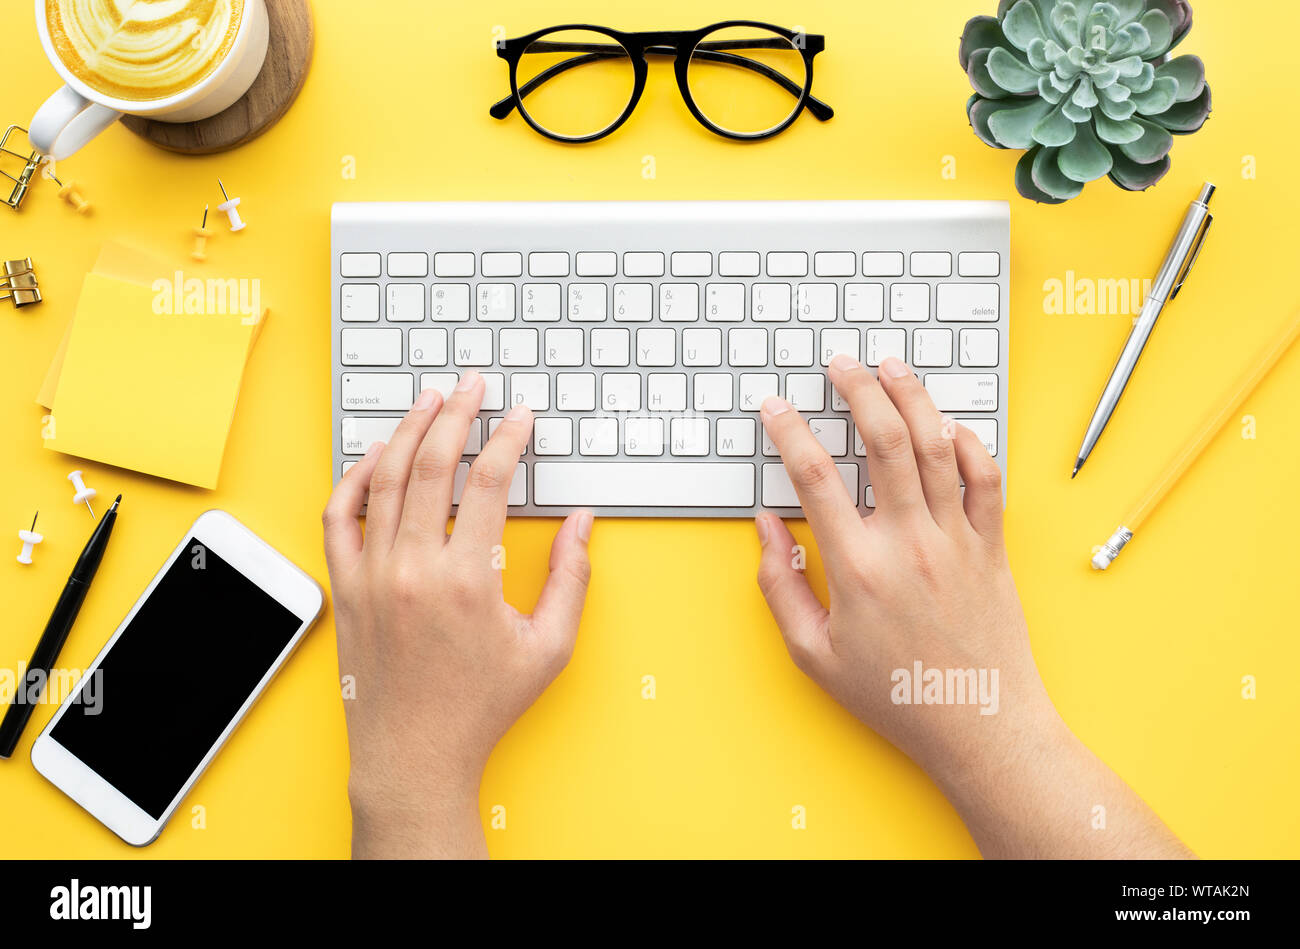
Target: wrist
[{"x": 426, "y": 820}]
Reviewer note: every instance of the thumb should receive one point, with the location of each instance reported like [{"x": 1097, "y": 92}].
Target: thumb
[
  {"x": 559, "y": 608},
  {"x": 799, "y": 614}
]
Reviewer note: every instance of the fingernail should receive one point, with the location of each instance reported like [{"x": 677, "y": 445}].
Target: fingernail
[
  {"x": 518, "y": 413},
  {"x": 894, "y": 367},
  {"x": 468, "y": 381},
  {"x": 425, "y": 399},
  {"x": 844, "y": 362},
  {"x": 774, "y": 405},
  {"x": 760, "y": 522},
  {"x": 585, "y": 520},
  {"x": 375, "y": 448}
]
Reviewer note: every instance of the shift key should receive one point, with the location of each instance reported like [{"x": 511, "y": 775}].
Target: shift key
[
  {"x": 963, "y": 391},
  {"x": 381, "y": 391}
]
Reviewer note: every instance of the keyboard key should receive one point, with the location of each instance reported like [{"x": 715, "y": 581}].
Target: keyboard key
[
  {"x": 793, "y": 347},
  {"x": 587, "y": 302},
  {"x": 632, "y": 303},
  {"x": 453, "y": 265},
  {"x": 884, "y": 343},
  {"x": 377, "y": 347},
  {"x": 474, "y": 437},
  {"x": 575, "y": 391},
  {"x": 450, "y": 303},
  {"x": 494, "y": 392},
  {"x": 548, "y": 264},
  {"x": 909, "y": 302},
  {"x": 359, "y": 265},
  {"x": 620, "y": 392},
  {"x": 610, "y": 347},
  {"x": 541, "y": 302},
  {"x": 869, "y": 498},
  {"x": 882, "y": 264},
  {"x": 786, "y": 264},
  {"x": 815, "y": 302},
  {"x": 694, "y": 484},
  {"x": 736, "y": 437},
  {"x": 666, "y": 392},
  {"x": 836, "y": 341},
  {"x": 692, "y": 264},
  {"x": 679, "y": 302},
  {"x": 532, "y": 389},
  {"x": 978, "y": 347},
  {"x": 932, "y": 348},
  {"x": 564, "y": 347},
  {"x": 359, "y": 303},
  {"x": 835, "y": 264},
  {"x": 747, "y": 346},
  {"x": 806, "y": 392},
  {"x": 771, "y": 302},
  {"x": 702, "y": 347},
  {"x": 598, "y": 436},
  {"x": 931, "y": 264},
  {"x": 778, "y": 491},
  {"x": 406, "y": 303},
  {"x": 963, "y": 392},
  {"x": 597, "y": 264},
  {"x": 408, "y": 265},
  {"x": 986, "y": 430},
  {"x": 713, "y": 391},
  {"x": 502, "y": 264},
  {"x": 656, "y": 346},
  {"x": 496, "y": 303},
  {"x": 643, "y": 264},
  {"x": 978, "y": 264},
  {"x": 864, "y": 302},
  {"x": 377, "y": 391},
  {"x": 516, "y": 496},
  {"x": 444, "y": 382},
  {"x": 427, "y": 347},
  {"x": 724, "y": 302},
  {"x": 832, "y": 434},
  {"x": 755, "y": 387},
  {"x": 739, "y": 264},
  {"x": 967, "y": 303},
  {"x": 360, "y": 432},
  {"x": 552, "y": 436},
  {"x": 643, "y": 436},
  {"x": 518, "y": 347},
  {"x": 690, "y": 436},
  {"x": 472, "y": 346}
]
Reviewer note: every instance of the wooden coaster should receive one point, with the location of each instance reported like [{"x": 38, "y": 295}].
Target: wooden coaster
[{"x": 288, "y": 56}]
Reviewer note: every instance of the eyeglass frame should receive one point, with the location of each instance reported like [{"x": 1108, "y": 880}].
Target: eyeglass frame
[{"x": 683, "y": 45}]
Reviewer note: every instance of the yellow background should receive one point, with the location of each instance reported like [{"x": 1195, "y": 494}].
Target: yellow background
[{"x": 1145, "y": 661}]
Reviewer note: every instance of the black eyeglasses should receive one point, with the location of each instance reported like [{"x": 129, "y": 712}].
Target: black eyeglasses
[{"x": 740, "y": 79}]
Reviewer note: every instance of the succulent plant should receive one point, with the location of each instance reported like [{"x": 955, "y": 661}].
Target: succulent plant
[{"x": 1087, "y": 88}]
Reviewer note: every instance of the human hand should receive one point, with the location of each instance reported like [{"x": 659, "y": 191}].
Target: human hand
[{"x": 442, "y": 665}]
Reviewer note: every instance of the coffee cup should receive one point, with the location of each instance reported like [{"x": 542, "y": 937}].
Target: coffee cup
[{"x": 169, "y": 60}]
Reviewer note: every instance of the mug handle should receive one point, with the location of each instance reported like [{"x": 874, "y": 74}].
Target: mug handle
[{"x": 66, "y": 122}]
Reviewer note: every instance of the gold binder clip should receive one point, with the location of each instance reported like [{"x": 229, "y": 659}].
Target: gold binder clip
[
  {"x": 25, "y": 164},
  {"x": 18, "y": 282}
]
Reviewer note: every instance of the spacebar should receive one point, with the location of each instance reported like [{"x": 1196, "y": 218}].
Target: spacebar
[{"x": 643, "y": 484}]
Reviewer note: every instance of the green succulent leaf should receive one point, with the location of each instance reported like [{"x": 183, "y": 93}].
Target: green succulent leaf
[
  {"x": 1161, "y": 30},
  {"x": 1105, "y": 76},
  {"x": 1066, "y": 21},
  {"x": 1010, "y": 73},
  {"x": 981, "y": 32},
  {"x": 1183, "y": 118},
  {"x": 1116, "y": 132},
  {"x": 1084, "y": 95},
  {"x": 1152, "y": 146},
  {"x": 1128, "y": 10},
  {"x": 980, "y": 80},
  {"x": 1025, "y": 179},
  {"x": 1116, "y": 93},
  {"x": 1037, "y": 55},
  {"x": 1188, "y": 72},
  {"x": 1046, "y": 175},
  {"x": 1074, "y": 113},
  {"x": 1138, "y": 39},
  {"x": 1049, "y": 91},
  {"x": 1057, "y": 128},
  {"x": 1179, "y": 13},
  {"x": 1085, "y": 158},
  {"x": 1158, "y": 98},
  {"x": 1136, "y": 177},
  {"x": 1013, "y": 127},
  {"x": 1119, "y": 111},
  {"x": 979, "y": 110},
  {"x": 1142, "y": 81},
  {"x": 1022, "y": 25},
  {"x": 1128, "y": 67}
]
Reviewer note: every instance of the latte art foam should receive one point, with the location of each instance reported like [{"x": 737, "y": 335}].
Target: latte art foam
[{"x": 143, "y": 49}]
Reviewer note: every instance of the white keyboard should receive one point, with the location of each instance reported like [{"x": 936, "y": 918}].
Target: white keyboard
[{"x": 645, "y": 335}]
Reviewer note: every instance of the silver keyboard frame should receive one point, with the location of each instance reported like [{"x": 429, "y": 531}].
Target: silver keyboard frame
[{"x": 668, "y": 226}]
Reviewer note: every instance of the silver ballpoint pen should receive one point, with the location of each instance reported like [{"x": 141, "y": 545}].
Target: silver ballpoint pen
[{"x": 1169, "y": 280}]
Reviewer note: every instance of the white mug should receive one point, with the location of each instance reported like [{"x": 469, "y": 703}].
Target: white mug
[{"x": 77, "y": 113}]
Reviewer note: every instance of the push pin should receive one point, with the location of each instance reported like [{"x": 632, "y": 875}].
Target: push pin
[
  {"x": 84, "y": 494},
  {"x": 30, "y": 539},
  {"x": 71, "y": 195},
  {"x": 201, "y": 235},
  {"x": 231, "y": 207}
]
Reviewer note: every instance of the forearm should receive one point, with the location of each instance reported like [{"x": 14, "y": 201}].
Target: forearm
[{"x": 445, "y": 826}]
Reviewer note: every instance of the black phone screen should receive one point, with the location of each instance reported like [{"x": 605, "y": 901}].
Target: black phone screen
[{"x": 178, "y": 674}]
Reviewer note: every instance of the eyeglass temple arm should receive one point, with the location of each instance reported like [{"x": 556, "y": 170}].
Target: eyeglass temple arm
[{"x": 707, "y": 51}]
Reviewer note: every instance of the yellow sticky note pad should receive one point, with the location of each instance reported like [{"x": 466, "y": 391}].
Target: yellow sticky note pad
[{"x": 153, "y": 392}]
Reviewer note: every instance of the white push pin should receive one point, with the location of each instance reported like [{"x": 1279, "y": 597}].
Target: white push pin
[
  {"x": 84, "y": 494},
  {"x": 30, "y": 539},
  {"x": 231, "y": 208}
]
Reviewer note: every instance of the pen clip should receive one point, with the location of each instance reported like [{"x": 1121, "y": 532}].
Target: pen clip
[{"x": 1191, "y": 261}]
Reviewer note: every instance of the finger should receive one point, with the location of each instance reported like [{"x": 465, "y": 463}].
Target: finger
[
  {"x": 832, "y": 514},
  {"x": 932, "y": 438},
  {"x": 481, "y": 516},
  {"x": 983, "y": 479},
  {"x": 433, "y": 470},
  {"x": 799, "y": 614},
  {"x": 559, "y": 607},
  {"x": 885, "y": 436},
  {"x": 343, "y": 537},
  {"x": 388, "y": 480}
]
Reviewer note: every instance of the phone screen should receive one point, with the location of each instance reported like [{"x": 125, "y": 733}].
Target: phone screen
[{"x": 182, "y": 668}]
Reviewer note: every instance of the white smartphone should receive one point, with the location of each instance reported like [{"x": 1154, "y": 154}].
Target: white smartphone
[{"x": 168, "y": 688}]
